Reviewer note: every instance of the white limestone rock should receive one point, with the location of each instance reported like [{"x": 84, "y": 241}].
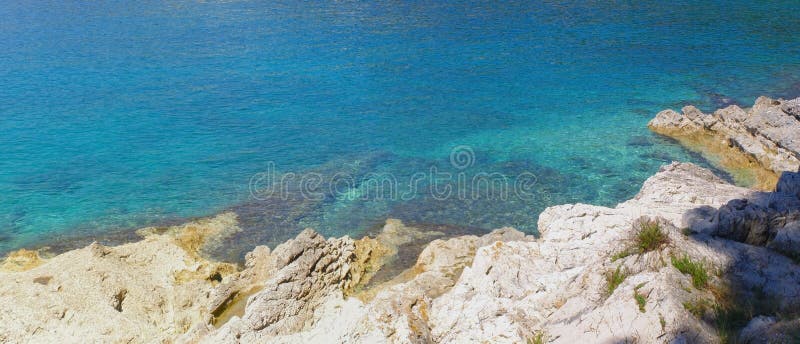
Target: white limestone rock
[
  {"x": 149, "y": 291},
  {"x": 768, "y": 132},
  {"x": 503, "y": 287}
]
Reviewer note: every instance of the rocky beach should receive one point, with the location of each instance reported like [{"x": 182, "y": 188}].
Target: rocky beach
[{"x": 692, "y": 258}]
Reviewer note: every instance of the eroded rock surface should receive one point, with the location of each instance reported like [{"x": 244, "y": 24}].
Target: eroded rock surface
[
  {"x": 149, "y": 291},
  {"x": 506, "y": 287},
  {"x": 589, "y": 278}
]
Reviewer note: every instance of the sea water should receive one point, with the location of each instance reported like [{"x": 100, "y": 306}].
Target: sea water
[{"x": 118, "y": 114}]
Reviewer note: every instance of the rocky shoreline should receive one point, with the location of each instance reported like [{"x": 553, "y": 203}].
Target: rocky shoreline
[
  {"x": 691, "y": 258},
  {"x": 754, "y": 144}
]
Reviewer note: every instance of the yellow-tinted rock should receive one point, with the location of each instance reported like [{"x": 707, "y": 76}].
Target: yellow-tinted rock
[
  {"x": 744, "y": 169},
  {"x": 755, "y": 145},
  {"x": 148, "y": 291},
  {"x": 21, "y": 260}
]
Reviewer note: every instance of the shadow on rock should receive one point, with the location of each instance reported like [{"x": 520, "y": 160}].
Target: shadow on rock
[{"x": 756, "y": 292}]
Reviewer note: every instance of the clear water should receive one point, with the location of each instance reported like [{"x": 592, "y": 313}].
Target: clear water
[{"x": 118, "y": 114}]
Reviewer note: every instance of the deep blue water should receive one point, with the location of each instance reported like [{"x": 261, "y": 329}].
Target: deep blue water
[{"x": 119, "y": 114}]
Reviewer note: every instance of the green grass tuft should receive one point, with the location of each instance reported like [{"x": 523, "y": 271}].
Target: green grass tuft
[
  {"x": 620, "y": 255},
  {"x": 729, "y": 321},
  {"x": 698, "y": 308},
  {"x": 649, "y": 235},
  {"x": 614, "y": 279},
  {"x": 538, "y": 338},
  {"x": 695, "y": 269},
  {"x": 641, "y": 300}
]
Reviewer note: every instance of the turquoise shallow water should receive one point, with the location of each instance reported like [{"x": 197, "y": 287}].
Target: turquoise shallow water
[{"x": 116, "y": 115}]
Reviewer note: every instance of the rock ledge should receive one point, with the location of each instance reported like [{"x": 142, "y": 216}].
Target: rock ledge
[
  {"x": 586, "y": 279},
  {"x": 756, "y": 145}
]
